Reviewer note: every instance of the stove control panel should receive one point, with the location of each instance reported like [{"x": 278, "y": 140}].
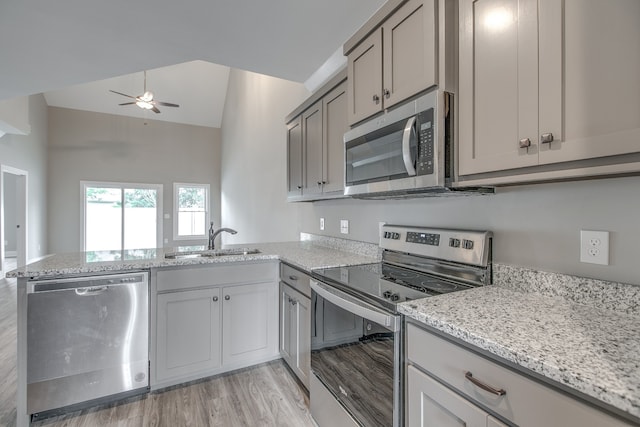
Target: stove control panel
[
  {"x": 464, "y": 246},
  {"x": 423, "y": 238}
]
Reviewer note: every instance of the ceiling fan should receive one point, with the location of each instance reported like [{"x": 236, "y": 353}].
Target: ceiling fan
[{"x": 145, "y": 101}]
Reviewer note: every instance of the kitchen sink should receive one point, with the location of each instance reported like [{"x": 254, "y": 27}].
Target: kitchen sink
[{"x": 211, "y": 253}]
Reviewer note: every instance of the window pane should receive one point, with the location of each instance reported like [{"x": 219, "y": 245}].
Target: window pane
[
  {"x": 140, "y": 218},
  {"x": 192, "y": 211},
  {"x": 103, "y": 219}
]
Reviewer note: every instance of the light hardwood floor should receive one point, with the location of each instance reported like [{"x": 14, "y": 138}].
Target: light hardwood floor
[{"x": 264, "y": 395}]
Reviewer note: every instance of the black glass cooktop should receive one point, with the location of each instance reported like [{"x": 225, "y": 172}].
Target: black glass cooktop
[{"x": 386, "y": 284}]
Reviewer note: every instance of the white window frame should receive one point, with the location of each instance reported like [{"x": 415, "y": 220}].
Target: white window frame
[
  {"x": 207, "y": 214},
  {"x": 121, "y": 185}
]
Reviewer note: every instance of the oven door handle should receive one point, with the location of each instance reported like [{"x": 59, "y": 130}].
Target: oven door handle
[
  {"x": 352, "y": 305},
  {"x": 409, "y": 131}
]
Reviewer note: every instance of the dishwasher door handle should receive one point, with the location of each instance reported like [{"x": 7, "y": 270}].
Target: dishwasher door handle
[{"x": 94, "y": 290}]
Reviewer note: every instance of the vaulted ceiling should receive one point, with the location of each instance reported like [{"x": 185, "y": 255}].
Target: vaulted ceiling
[{"x": 49, "y": 45}]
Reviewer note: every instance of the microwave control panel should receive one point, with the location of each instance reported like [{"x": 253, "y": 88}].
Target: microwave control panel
[{"x": 426, "y": 146}]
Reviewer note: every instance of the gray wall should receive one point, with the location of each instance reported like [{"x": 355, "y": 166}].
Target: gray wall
[
  {"x": 10, "y": 220},
  {"x": 535, "y": 226},
  {"x": 29, "y": 153},
  {"x": 87, "y": 146},
  {"x": 254, "y": 161}
]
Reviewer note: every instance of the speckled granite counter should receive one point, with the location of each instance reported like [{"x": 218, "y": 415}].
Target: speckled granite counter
[
  {"x": 304, "y": 254},
  {"x": 589, "y": 349}
]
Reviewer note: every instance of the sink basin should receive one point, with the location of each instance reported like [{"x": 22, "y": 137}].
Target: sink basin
[{"x": 211, "y": 253}]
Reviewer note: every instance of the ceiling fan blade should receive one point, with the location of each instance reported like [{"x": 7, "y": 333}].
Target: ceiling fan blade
[
  {"x": 123, "y": 94},
  {"x": 127, "y": 103},
  {"x": 155, "y": 109},
  {"x": 166, "y": 104}
]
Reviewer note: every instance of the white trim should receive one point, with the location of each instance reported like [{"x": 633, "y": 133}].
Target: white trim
[
  {"x": 122, "y": 185},
  {"x": 207, "y": 214},
  {"x": 25, "y": 217}
]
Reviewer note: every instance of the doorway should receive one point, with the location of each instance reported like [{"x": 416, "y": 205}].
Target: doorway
[{"x": 13, "y": 218}]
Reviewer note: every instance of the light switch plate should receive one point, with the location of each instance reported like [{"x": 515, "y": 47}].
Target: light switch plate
[
  {"x": 594, "y": 247},
  {"x": 344, "y": 226}
]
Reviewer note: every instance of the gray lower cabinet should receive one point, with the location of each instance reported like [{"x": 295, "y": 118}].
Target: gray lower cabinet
[
  {"x": 432, "y": 404},
  {"x": 447, "y": 385},
  {"x": 188, "y": 339},
  {"x": 295, "y": 321},
  {"x": 208, "y": 320},
  {"x": 295, "y": 346}
]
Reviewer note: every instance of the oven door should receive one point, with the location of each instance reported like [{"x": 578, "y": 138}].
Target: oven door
[{"x": 355, "y": 355}]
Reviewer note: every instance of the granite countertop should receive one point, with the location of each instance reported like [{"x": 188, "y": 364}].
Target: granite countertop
[
  {"x": 303, "y": 254},
  {"x": 592, "y": 350}
]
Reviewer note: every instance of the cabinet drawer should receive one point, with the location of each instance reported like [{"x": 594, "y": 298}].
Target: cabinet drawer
[
  {"x": 192, "y": 276},
  {"x": 526, "y": 402},
  {"x": 296, "y": 279}
]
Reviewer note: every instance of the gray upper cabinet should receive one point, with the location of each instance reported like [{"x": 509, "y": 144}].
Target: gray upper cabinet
[
  {"x": 394, "y": 62},
  {"x": 540, "y": 84},
  {"x": 313, "y": 141},
  {"x": 365, "y": 78},
  {"x": 335, "y": 125},
  {"x": 294, "y": 158},
  {"x": 315, "y": 144}
]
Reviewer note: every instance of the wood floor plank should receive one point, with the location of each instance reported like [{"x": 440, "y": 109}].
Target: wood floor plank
[{"x": 263, "y": 395}]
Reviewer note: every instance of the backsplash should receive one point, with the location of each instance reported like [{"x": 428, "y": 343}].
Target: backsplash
[
  {"x": 353, "y": 246},
  {"x": 619, "y": 297}
]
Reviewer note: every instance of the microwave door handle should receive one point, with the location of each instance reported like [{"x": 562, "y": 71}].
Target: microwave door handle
[{"x": 409, "y": 130}]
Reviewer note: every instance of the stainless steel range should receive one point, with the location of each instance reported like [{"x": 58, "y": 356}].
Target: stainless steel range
[{"x": 357, "y": 332}]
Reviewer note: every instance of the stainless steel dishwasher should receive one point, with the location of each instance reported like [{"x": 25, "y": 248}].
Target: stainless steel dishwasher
[{"x": 87, "y": 339}]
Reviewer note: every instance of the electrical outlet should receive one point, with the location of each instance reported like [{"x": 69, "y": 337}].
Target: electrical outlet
[
  {"x": 594, "y": 247},
  {"x": 344, "y": 226},
  {"x": 321, "y": 224}
]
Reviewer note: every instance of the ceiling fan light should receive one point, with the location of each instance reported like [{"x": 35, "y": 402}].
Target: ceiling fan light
[
  {"x": 147, "y": 96},
  {"x": 144, "y": 104}
]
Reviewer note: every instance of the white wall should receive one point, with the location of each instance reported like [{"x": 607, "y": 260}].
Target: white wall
[
  {"x": 87, "y": 146},
  {"x": 254, "y": 158},
  {"x": 29, "y": 153}
]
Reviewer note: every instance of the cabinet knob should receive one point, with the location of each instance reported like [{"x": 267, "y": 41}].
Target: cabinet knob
[
  {"x": 546, "y": 138},
  {"x": 324, "y": 182},
  {"x": 227, "y": 297},
  {"x": 292, "y": 277},
  {"x": 215, "y": 299},
  {"x": 299, "y": 187},
  {"x": 319, "y": 183},
  {"x": 525, "y": 143},
  {"x": 376, "y": 99},
  {"x": 293, "y": 302},
  {"x": 386, "y": 93}
]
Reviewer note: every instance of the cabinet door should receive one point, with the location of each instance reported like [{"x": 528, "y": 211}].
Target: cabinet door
[
  {"x": 498, "y": 85},
  {"x": 364, "y": 85},
  {"x": 589, "y": 78},
  {"x": 409, "y": 51},
  {"x": 303, "y": 339},
  {"x": 286, "y": 324},
  {"x": 335, "y": 126},
  {"x": 249, "y": 323},
  {"x": 494, "y": 422},
  {"x": 432, "y": 404},
  {"x": 188, "y": 333},
  {"x": 294, "y": 158},
  {"x": 312, "y": 138}
]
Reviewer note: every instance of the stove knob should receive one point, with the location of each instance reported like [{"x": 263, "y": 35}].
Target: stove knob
[
  {"x": 386, "y": 234},
  {"x": 396, "y": 236},
  {"x": 395, "y": 297},
  {"x": 387, "y": 294}
]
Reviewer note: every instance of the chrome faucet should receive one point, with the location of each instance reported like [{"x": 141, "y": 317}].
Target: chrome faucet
[{"x": 214, "y": 233}]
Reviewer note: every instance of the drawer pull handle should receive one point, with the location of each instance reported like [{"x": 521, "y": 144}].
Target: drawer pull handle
[
  {"x": 293, "y": 277},
  {"x": 497, "y": 391}
]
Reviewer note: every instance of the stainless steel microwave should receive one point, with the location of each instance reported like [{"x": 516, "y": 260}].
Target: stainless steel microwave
[{"x": 402, "y": 152}]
